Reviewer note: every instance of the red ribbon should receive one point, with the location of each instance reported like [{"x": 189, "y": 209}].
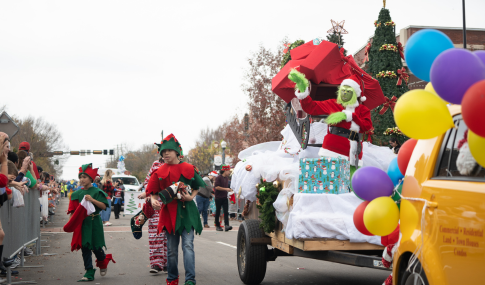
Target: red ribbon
[
  {"x": 287, "y": 47},
  {"x": 389, "y": 103},
  {"x": 369, "y": 134},
  {"x": 401, "y": 50},
  {"x": 402, "y": 76},
  {"x": 367, "y": 51}
]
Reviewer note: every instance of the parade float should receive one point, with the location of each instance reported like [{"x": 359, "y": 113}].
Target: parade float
[{"x": 315, "y": 195}]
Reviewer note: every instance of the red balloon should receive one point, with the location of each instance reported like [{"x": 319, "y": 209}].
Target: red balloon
[
  {"x": 359, "y": 218},
  {"x": 472, "y": 106},
  {"x": 404, "y": 155}
]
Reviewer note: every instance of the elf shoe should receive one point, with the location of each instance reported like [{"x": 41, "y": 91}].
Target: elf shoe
[
  {"x": 190, "y": 282},
  {"x": 89, "y": 276},
  {"x": 173, "y": 282},
  {"x": 103, "y": 265}
]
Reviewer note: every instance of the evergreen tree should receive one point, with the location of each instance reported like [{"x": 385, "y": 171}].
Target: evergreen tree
[
  {"x": 338, "y": 39},
  {"x": 388, "y": 60}
]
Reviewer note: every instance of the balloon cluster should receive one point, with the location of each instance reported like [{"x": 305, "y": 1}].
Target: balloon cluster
[
  {"x": 380, "y": 213},
  {"x": 456, "y": 76}
]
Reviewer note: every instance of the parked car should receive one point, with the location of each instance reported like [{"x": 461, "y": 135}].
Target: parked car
[{"x": 130, "y": 182}]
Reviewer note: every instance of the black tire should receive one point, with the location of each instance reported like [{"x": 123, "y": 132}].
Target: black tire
[
  {"x": 251, "y": 259},
  {"x": 418, "y": 277}
]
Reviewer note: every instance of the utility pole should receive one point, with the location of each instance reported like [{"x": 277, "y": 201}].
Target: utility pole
[{"x": 464, "y": 25}]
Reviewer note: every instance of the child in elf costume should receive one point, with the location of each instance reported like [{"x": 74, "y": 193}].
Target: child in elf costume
[
  {"x": 85, "y": 222},
  {"x": 179, "y": 215}
]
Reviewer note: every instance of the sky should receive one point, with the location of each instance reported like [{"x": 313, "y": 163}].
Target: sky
[{"x": 119, "y": 72}]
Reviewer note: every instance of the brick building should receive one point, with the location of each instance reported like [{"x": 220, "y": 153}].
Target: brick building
[{"x": 475, "y": 39}]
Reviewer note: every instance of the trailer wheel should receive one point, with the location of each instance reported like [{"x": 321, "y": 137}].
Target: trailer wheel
[{"x": 251, "y": 259}]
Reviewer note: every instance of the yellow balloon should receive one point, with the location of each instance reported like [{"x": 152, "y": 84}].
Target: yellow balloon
[
  {"x": 381, "y": 216},
  {"x": 422, "y": 115},
  {"x": 409, "y": 219},
  {"x": 476, "y": 144},
  {"x": 429, "y": 87}
]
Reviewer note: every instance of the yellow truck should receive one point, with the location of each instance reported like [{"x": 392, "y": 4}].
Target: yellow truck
[{"x": 453, "y": 248}]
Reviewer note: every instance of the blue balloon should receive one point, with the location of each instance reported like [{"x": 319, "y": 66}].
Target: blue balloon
[
  {"x": 421, "y": 50},
  {"x": 394, "y": 172}
]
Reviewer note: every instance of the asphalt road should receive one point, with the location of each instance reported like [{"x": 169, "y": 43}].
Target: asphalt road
[{"x": 215, "y": 261}]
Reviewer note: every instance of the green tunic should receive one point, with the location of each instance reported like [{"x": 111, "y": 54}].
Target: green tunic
[{"x": 92, "y": 229}]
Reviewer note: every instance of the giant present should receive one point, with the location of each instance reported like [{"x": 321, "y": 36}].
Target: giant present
[{"x": 327, "y": 175}]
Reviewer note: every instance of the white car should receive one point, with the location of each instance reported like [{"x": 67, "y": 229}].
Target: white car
[{"x": 130, "y": 182}]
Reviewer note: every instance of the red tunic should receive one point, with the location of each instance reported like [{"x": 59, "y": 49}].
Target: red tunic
[
  {"x": 165, "y": 176},
  {"x": 361, "y": 117}
]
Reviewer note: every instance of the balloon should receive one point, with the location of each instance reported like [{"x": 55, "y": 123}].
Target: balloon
[
  {"x": 480, "y": 54},
  {"x": 405, "y": 153},
  {"x": 396, "y": 197},
  {"x": 359, "y": 218},
  {"x": 473, "y": 106},
  {"x": 394, "y": 172},
  {"x": 454, "y": 71},
  {"x": 477, "y": 147},
  {"x": 421, "y": 50},
  {"x": 381, "y": 216},
  {"x": 411, "y": 187},
  {"x": 371, "y": 182},
  {"x": 429, "y": 87},
  {"x": 422, "y": 115},
  {"x": 409, "y": 219}
]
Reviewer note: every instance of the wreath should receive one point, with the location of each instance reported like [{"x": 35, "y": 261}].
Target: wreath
[
  {"x": 267, "y": 194},
  {"x": 288, "y": 47}
]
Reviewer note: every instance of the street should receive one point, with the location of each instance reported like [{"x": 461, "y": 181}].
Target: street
[{"x": 215, "y": 260}]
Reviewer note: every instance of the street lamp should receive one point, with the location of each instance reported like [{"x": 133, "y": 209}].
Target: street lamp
[{"x": 223, "y": 145}]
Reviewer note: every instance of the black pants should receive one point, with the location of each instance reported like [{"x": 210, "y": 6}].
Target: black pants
[
  {"x": 117, "y": 210},
  {"x": 222, "y": 202},
  {"x": 87, "y": 257}
]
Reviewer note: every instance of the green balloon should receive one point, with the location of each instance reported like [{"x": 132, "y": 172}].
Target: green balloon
[{"x": 395, "y": 196}]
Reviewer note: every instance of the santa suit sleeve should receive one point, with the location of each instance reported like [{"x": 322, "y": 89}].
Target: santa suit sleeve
[
  {"x": 315, "y": 108},
  {"x": 363, "y": 119},
  {"x": 153, "y": 186}
]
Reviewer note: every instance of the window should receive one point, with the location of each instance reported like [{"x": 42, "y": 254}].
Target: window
[
  {"x": 127, "y": 180},
  {"x": 446, "y": 163}
]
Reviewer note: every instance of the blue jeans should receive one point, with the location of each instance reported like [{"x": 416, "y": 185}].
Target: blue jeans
[
  {"x": 173, "y": 241},
  {"x": 105, "y": 214},
  {"x": 203, "y": 206}
]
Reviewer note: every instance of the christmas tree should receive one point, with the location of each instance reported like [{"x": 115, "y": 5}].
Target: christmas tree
[
  {"x": 131, "y": 204},
  {"x": 386, "y": 66}
]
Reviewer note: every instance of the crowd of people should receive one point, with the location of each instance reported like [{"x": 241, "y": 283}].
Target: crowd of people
[{"x": 19, "y": 175}]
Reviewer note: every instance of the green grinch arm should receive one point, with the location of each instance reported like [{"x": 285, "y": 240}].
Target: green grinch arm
[
  {"x": 336, "y": 118},
  {"x": 300, "y": 80}
]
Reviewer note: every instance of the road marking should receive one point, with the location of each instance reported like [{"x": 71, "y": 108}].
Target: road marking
[{"x": 226, "y": 244}]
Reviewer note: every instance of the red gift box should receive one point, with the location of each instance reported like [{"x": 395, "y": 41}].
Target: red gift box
[{"x": 281, "y": 85}]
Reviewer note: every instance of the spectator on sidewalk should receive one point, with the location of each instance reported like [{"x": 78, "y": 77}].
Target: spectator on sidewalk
[
  {"x": 119, "y": 191},
  {"x": 107, "y": 187},
  {"x": 221, "y": 187},
  {"x": 204, "y": 196},
  {"x": 26, "y": 147}
]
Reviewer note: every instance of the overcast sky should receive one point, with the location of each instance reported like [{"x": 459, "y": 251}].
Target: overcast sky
[{"x": 112, "y": 72}]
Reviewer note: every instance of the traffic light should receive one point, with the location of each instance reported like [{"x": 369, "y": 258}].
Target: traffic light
[
  {"x": 58, "y": 152},
  {"x": 105, "y": 152},
  {"x": 74, "y": 152},
  {"x": 97, "y": 152},
  {"x": 111, "y": 152},
  {"x": 246, "y": 122}
]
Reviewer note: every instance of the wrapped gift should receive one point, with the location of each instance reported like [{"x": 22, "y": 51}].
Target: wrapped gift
[{"x": 328, "y": 175}]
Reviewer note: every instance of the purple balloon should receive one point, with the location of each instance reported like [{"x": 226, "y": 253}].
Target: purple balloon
[
  {"x": 454, "y": 71},
  {"x": 371, "y": 182},
  {"x": 480, "y": 54}
]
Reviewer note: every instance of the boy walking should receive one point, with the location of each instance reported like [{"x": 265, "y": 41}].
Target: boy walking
[
  {"x": 85, "y": 223},
  {"x": 179, "y": 216},
  {"x": 222, "y": 188}
]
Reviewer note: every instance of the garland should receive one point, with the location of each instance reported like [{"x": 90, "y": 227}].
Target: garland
[
  {"x": 267, "y": 194},
  {"x": 389, "y": 47},
  {"x": 393, "y": 132},
  {"x": 286, "y": 51},
  {"x": 387, "y": 24},
  {"x": 386, "y": 74}
]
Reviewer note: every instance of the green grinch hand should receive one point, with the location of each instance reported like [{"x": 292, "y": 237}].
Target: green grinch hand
[
  {"x": 336, "y": 118},
  {"x": 300, "y": 80}
]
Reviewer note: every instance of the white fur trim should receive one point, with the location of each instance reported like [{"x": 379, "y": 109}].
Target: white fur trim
[
  {"x": 353, "y": 84},
  {"x": 303, "y": 95},
  {"x": 348, "y": 113},
  {"x": 88, "y": 206},
  {"x": 363, "y": 98},
  {"x": 352, "y": 152},
  {"x": 354, "y": 127},
  {"x": 328, "y": 153}
]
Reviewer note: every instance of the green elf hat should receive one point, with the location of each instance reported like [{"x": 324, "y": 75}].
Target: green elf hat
[
  {"x": 225, "y": 167},
  {"x": 88, "y": 170},
  {"x": 170, "y": 142}
]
